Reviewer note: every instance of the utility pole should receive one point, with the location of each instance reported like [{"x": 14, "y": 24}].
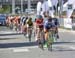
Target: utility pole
[
  {"x": 13, "y": 6},
  {"x": 21, "y": 6},
  {"x": 60, "y": 13},
  {"x": 29, "y": 4},
  {"x": 61, "y": 7}
]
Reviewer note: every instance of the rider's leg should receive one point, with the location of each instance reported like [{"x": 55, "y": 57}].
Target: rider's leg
[
  {"x": 38, "y": 33},
  {"x": 57, "y": 32},
  {"x": 46, "y": 34}
]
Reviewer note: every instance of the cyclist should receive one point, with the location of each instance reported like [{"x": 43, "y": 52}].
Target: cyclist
[
  {"x": 48, "y": 25},
  {"x": 39, "y": 27},
  {"x": 17, "y": 22},
  {"x": 29, "y": 25},
  {"x": 23, "y": 24},
  {"x": 11, "y": 19},
  {"x": 29, "y": 22},
  {"x": 8, "y": 21},
  {"x": 56, "y": 22}
]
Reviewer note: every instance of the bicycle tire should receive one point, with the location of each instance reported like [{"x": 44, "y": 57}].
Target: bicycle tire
[
  {"x": 40, "y": 44},
  {"x": 30, "y": 34},
  {"x": 50, "y": 41},
  {"x": 49, "y": 46},
  {"x": 41, "y": 40}
]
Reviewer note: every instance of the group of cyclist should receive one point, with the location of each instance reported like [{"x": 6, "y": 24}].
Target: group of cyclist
[
  {"x": 13, "y": 22},
  {"x": 40, "y": 23},
  {"x": 46, "y": 24}
]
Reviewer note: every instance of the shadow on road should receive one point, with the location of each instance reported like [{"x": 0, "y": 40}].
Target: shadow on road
[
  {"x": 12, "y": 45},
  {"x": 64, "y": 43},
  {"x": 62, "y": 50},
  {"x": 25, "y": 44}
]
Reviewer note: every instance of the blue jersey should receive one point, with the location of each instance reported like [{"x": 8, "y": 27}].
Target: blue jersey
[{"x": 48, "y": 24}]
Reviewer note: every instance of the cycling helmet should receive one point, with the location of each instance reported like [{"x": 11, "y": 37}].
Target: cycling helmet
[{"x": 39, "y": 16}]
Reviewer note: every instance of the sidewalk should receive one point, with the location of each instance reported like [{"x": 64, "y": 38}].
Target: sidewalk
[{"x": 66, "y": 30}]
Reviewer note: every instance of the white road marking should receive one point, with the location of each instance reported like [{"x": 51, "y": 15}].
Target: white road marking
[
  {"x": 26, "y": 47},
  {"x": 62, "y": 46},
  {"x": 20, "y": 50},
  {"x": 73, "y": 41},
  {"x": 72, "y": 47},
  {"x": 23, "y": 49}
]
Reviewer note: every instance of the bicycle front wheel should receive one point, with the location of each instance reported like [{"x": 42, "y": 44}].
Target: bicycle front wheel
[{"x": 50, "y": 41}]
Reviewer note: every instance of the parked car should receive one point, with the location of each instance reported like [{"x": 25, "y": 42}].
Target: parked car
[{"x": 2, "y": 19}]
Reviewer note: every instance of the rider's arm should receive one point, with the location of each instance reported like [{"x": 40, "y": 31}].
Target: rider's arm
[{"x": 27, "y": 21}]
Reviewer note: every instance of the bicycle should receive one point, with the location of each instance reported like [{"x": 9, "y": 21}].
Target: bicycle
[
  {"x": 29, "y": 32},
  {"x": 40, "y": 38},
  {"x": 11, "y": 26},
  {"x": 50, "y": 40}
]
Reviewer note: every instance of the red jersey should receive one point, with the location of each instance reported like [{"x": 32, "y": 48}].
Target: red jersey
[{"x": 39, "y": 22}]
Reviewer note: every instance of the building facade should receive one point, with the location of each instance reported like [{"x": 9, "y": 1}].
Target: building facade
[{"x": 19, "y": 4}]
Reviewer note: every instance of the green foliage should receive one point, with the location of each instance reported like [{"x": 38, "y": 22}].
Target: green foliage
[
  {"x": 1, "y": 10},
  {"x": 5, "y": 9}
]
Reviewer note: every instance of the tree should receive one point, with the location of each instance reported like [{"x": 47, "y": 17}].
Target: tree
[{"x": 5, "y": 9}]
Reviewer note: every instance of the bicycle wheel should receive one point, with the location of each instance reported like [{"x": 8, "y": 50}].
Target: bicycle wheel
[
  {"x": 30, "y": 34},
  {"x": 40, "y": 44},
  {"x": 11, "y": 26},
  {"x": 41, "y": 40},
  {"x": 50, "y": 41},
  {"x": 49, "y": 45}
]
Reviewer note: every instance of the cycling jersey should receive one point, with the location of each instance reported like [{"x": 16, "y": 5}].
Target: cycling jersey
[
  {"x": 23, "y": 20},
  {"x": 17, "y": 19},
  {"x": 48, "y": 25},
  {"x": 39, "y": 22},
  {"x": 29, "y": 22}
]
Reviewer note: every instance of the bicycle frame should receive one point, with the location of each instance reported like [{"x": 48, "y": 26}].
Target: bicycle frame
[
  {"x": 50, "y": 40},
  {"x": 40, "y": 36},
  {"x": 29, "y": 32}
]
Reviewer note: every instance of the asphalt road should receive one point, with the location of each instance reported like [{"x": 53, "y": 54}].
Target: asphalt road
[{"x": 18, "y": 46}]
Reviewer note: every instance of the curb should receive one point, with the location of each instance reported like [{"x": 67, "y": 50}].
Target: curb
[{"x": 66, "y": 30}]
